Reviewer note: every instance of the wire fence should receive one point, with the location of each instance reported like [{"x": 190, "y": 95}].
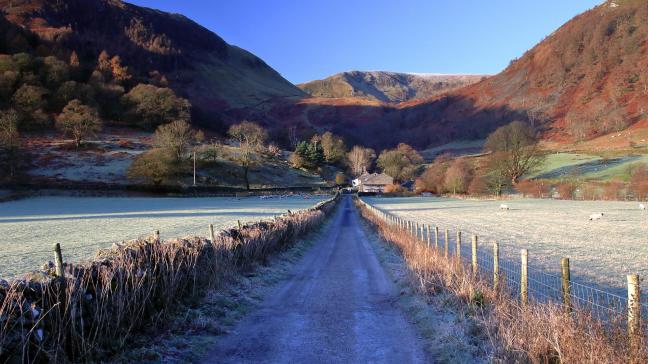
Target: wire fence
[{"x": 541, "y": 285}]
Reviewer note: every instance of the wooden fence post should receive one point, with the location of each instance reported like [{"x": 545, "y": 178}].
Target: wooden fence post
[
  {"x": 156, "y": 236},
  {"x": 495, "y": 266},
  {"x": 417, "y": 231},
  {"x": 565, "y": 278},
  {"x": 474, "y": 255},
  {"x": 212, "y": 237},
  {"x": 634, "y": 310},
  {"x": 524, "y": 275},
  {"x": 447, "y": 238},
  {"x": 458, "y": 252},
  {"x": 429, "y": 235},
  {"x": 436, "y": 237},
  {"x": 58, "y": 261}
]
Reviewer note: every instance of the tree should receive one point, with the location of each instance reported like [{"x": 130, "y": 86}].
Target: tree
[
  {"x": 340, "y": 179},
  {"x": 78, "y": 121},
  {"x": 433, "y": 178},
  {"x": 311, "y": 153},
  {"x": 518, "y": 147},
  {"x": 639, "y": 182},
  {"x": 153, "y": 166},
  {"x": 359, "y": 159},
  {"x": 28, "y": 98},
  {"x": 175, "y": 137},
  {"x": 150, "y": 106},
  {"x": 400, "y": 163},
  {"x": 119, "y": 73},
  {"x": 9, "y": 142},
  {"x": 495, "y": 175},
  {"x": 458, "y": 176},
  {"x": 297, "y": 161},
  {"x": 333, "y": 147},
  {"x": 103, "y": 63},
  {"x": 74, "y": 59},
  {"x": 477, "y": 186},
  {"x": 251, "y": 138}
]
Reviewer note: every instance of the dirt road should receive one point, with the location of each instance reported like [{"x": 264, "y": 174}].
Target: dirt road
[{"x": 337, "y": 306}]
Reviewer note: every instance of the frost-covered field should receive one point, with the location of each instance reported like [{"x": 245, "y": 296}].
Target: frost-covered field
[
  {"x": 29, "y": 227},
  {"x": 601, "y": 252}
]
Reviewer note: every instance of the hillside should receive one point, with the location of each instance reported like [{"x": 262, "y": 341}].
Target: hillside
[
  {"x": 386, "y": 86},
  {"x": 197, "y": 63},
  {"x": 585, "y": 80}
]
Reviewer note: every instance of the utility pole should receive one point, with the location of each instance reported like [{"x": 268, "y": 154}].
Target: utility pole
[{"x": 194, "y": 155}]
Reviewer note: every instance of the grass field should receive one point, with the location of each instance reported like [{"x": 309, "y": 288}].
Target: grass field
[
  {"x": 589, "y": 166},
  {"x": 29, "y": 227},
  {"x": 602, "y": 252}
]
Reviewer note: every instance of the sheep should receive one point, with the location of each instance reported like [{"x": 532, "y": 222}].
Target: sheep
[
  {"x": 642, "y": 207},
  {"x": 504, "y": 207},
  {"x": 597, "y": 216}
]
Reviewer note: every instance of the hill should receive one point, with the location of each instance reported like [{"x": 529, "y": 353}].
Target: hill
[
  {"x": 585, "y": 80},
  {"x": 386, "y": 86},
  {"x": 198, "y": 64}
]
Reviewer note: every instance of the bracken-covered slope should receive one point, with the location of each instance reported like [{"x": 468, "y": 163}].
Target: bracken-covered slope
[
  {"x": 586, "y": 79},
  {"x": 201, "y": 66},
  {"x": 387, "y": 86}
]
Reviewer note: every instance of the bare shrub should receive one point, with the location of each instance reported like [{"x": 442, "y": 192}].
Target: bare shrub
[
  {"x": 639, "y": 182},
  {"x": 533, "y": 188},
  {"x": 567, "y": 190}
]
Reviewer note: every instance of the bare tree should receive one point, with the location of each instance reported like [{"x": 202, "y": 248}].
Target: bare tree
[
  {"x": 333, "y": 147},
  {"x": 176, "y": 136},
  {"x": 359, "y": 159},
  {"x": 458, "y": 176},
  {"x": 517, "y": 148},
  {"x": 251, "y": 138}
]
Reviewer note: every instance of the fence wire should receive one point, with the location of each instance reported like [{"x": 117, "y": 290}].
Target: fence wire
[{"x": 542, "y": 286}]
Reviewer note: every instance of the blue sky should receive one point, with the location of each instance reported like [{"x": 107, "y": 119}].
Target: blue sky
[{"x": 309, "y": 39}]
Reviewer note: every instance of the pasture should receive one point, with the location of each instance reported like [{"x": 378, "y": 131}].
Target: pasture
[
  {"x": 602, "y": 252},
  {"x": 83, "y": 225}
]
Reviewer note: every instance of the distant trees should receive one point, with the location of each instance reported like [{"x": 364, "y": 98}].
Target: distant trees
[
  {"x": 251, "y": 138},
  {"x": 150, "y": 106},
  {"x": 515, "y": 149},
  {"x": 360, "y": 159},
  {"x": 78, "y": 121},
  {"x": 401, "y": 163},
  {"x": 333, "y": 148}
]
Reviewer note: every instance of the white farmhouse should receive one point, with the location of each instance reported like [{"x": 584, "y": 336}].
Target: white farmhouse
[{"x": 374, "y": 182}]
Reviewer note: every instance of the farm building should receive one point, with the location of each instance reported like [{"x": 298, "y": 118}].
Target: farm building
[{"x": 374, "y": 182}]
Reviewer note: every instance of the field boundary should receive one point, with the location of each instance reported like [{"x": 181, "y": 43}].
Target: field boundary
[
  {"x": 517, "y": 282},
  {"x": 87, "y": 311}
]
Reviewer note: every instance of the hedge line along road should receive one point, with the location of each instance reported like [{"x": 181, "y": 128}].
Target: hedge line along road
[{"x": 338, "y": 305}]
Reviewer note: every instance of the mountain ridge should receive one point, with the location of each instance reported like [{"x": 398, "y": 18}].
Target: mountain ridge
[{"x": 387, "y": 86}]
